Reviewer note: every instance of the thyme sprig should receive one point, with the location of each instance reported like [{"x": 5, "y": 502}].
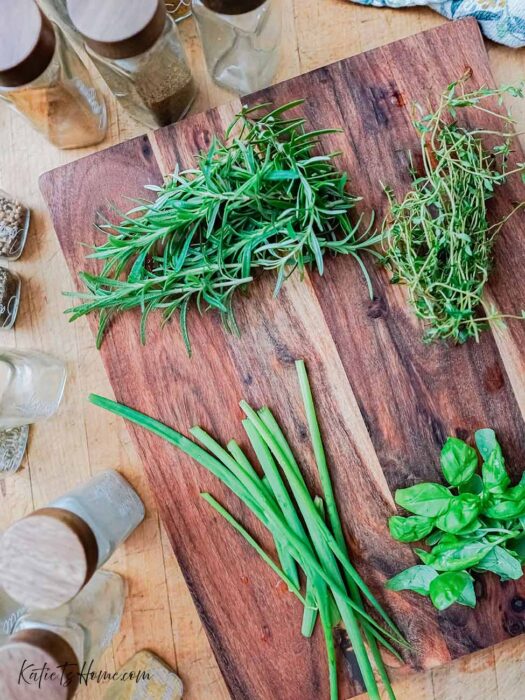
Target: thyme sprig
[
  {"x": 438, "y": 239},
  {"x": 263, "y": 198}
]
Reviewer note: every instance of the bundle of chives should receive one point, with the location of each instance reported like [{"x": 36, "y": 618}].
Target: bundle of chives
[{"x": 307, "y": 530}]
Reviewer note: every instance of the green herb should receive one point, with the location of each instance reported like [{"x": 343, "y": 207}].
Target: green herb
[
  {"x": 438, "y": 239},
  {"x": 307, "y": 530},
  {"x": 262, "y": 199},
  {"x": 475, "y": 524}
]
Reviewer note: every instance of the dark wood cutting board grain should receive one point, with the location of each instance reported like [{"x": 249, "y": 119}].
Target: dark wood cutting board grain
[{"x": 386, "y": 402}]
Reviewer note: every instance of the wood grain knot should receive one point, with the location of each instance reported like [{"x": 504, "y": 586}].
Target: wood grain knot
[
  {"x": 493, "y": 379},
  {"x": 518, "y": 605},
  {"x": 398, "y": 99},
  {"x": 377, "y": 308},
  {"x": 145, "y": 147}
]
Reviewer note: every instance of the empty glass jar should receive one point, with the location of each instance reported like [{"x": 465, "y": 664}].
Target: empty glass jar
[
  {"x": 241, "y": 41},
  {"x": 65, "y": 641},
  {"x": 137, "y": 49},
  {"x": 31, "y": 388},
  {"x": 10, "y": 613},
  {"x": 42, "y": 78}
]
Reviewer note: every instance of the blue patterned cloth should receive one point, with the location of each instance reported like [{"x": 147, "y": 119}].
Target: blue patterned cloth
[{"x": 500, "y": 20}]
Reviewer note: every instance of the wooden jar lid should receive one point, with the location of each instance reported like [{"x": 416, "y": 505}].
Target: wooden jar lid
[
  {"x": 27, "y": 42},
  {"x": 38, "y": 647},
  {"x": 233, "y": 7},
  {"x": 118, "y": 28},
  {"x": 47, "y": 558}
]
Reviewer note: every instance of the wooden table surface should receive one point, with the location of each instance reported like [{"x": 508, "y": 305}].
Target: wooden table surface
[{"x": 81, "y": 440}]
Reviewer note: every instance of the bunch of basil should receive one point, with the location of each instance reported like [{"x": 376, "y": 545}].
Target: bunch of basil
[{"x": 476, "y": 524}]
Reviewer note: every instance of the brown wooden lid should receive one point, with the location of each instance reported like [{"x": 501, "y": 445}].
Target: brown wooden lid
[
  {"x": 37, "y": 647},
  {"x": 232, "y": 7},
  {"x": 118, "y": 28},
  {"x": 27, "y": 42},
  {"x": 47, "y": 558}
]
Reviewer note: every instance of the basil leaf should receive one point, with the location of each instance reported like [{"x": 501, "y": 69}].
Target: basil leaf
[
  {"x": 430, "y": 500},
  {"x": 463, "y": 509},
  {"x": 500, "y": 561},
  {"x": 473, "y": 485},
  {"x": 426, "y": 557},
  {"x": 502, "y": 509},
  {"x": 410, "y": 529},
  {"x": 518, "y": 546},
  {"x": 452, "y": 587},
  {"x": 495, "y": 477},
  {"x": 485, "y": 442},
  {"x": 455, "y": 557},
  {"x": 417, "y": 579},
  {"x": 459, "y": 461},
  {"x": 434, "y": 538}
]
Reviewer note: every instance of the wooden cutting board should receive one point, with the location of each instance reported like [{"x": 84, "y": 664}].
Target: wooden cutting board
[{"x": 386, "y": 402}]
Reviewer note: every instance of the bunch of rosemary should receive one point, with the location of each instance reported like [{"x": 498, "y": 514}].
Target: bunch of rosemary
[
  {"x": 438, "y": 239},
  {"x": 307, "y": 530},
  {"x": 261, "y": 199}
]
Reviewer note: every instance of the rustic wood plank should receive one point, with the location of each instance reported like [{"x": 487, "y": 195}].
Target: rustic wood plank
[{"x": 312, "y": 319}]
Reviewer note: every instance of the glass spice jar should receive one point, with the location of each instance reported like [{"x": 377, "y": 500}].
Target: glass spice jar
[
  {"x": 43, "y": 78},
  {"x": 14, "y": 224},
  {"x": 13, "y": 443},
  {"x": 241, "y": 41},
  {"x": 74, "y": 536},
  {"x": 9, "y": 298},
  {"x": 137, "y": 49},
  {"x": 65, "y": 642},
  {"x": 10, "y": 613}
]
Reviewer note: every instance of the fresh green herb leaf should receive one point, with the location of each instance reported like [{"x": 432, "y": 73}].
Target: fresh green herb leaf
[
  {"x": 486, "y": 442},
  {"x": 495, "y": 477},
  {"x": 463, "y": 509},
  {"x": 452, "y": 587},
  {"x": 410, "y": 529},
  {"x": 500, "y": 561},
  {"x": 427, "y": 499},
  {"x": 417, "y": 578},
  {"x": 455, "y": 557},
  {"x": 458, "y": 461}
]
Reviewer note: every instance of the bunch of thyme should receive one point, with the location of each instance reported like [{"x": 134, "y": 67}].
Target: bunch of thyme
[
  {"x": 438, "y": 239},
  {"x": 261, "y": 199}
]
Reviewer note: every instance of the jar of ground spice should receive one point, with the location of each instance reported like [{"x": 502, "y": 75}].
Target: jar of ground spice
[
  {"x": 136, "y": 47},
  {"x": 43, "y": 78},
  {"x": 9, "y": 297},
  {"x": 14, "y": 223}
]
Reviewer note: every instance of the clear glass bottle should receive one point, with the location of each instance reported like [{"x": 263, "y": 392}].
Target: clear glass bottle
[
  {"x": 241, "y": 41},
  {"x": 14, "y": 225},
  {"x": 47, "y": 557},
  {"x": 31, "y": 386},
  {"x": 71, "y": 637},
  {"x": 109, "y": 505},
  {"x": 43, "y": 78},
  {"x": 137, "y": 49}
]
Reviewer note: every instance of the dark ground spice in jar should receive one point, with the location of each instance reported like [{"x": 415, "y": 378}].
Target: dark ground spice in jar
[
  {"x": 167, "y": 89},
  {"x": 9, "y": 298},
  {"x": 14, "y": 222}
]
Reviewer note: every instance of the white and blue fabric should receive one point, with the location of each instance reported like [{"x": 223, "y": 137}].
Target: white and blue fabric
[{"x": 500, "y": 20}]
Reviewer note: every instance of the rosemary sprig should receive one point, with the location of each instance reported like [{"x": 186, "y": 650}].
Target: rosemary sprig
[
  {"x": 260, "y": 199},
  {"x": 307, "y": 529},
  {"x": 438, "y": 239}
]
